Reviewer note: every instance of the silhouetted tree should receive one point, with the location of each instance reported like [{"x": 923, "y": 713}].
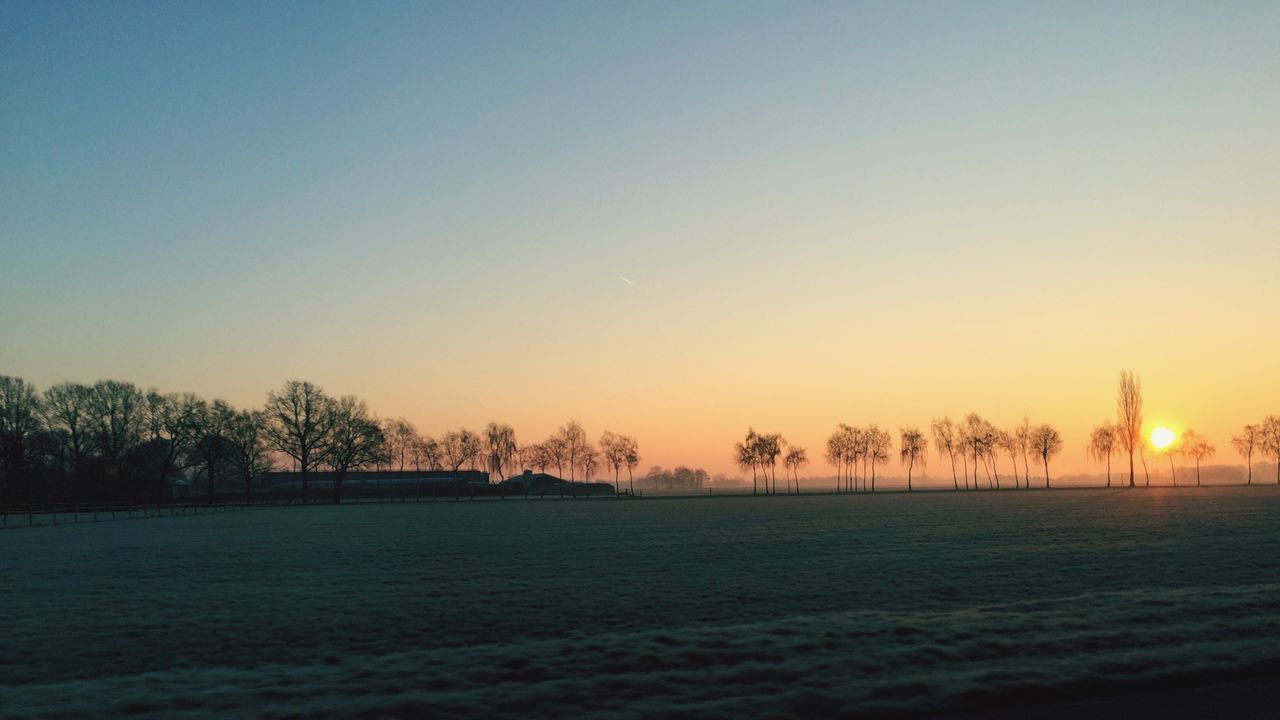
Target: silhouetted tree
[
  {"x": 1198, "y": 448},
  {"x": 879, "y": 444},
  {"x": 796, "y": 458},
  {"x": 500, "y": 448},
  {"x": 573, "y": 439},
  {"x": 172, "y": 422},
  {"x": 251, "y": 454},
  {"x": 213, "y": 443},
  {"x": 1045, "y": 442},
  {"x": 1246, "y": 443},
  {"x": 632, "y": 458},
  {"x": 355, "y": 441},
  {"x": 945, "y": 440},
  {"x": 1169, "y": 450},
  {"x": 68, "y": 413},
  {"x": 299, "y": 422},
  {"x": 835, "y": 455},
  {"x": 459, "y": 447},
  {"x": 914, "y": 450},
  {"x": 20, "y": 413},
  {"x": 1102, "y": 445},
  {"x": 1271, "y": 440},
  {"x": 117, "y": 423},
  {"x": 1022, "y": 435},
  {"x": 401, "y": 439},
  {"x": 1129, "y": 418},
  {"x": 768, "y": 447},
  {"x": 426, "y": 453},
  {"x": 590, "y": 459},
  {"x": 745, "y": 455},
  {"x": 1007, "y": 440}
]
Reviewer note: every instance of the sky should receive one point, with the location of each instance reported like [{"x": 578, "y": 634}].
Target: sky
[{"x": 673, "y": 220}]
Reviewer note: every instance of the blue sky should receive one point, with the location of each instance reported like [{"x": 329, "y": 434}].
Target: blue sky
[{"x": 396, "y": 199}]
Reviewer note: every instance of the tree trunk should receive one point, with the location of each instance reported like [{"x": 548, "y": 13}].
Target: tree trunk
[
  {"x": 954, "y": 481},
  {"x": 1131, "y": 482},
  {"x": 338, "y": 476},
  {"x": 1046, "y": 471},
  {"x": 1173, "y": 473},
  {"x": 1108, "y": 469}
]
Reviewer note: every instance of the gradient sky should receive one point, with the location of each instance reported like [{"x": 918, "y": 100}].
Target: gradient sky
[{"x": 826, "y": 211}]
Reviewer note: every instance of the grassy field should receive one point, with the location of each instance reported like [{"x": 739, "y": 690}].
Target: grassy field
[{"x": 887, "y": 605}]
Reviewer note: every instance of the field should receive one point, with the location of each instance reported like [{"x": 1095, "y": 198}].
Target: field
[{"x": 888, "y": 605}]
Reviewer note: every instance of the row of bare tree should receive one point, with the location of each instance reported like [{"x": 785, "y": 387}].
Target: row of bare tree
[
  {"x": 1125, "y": 436},
  {"x": 759, "y": 452},
  {"x": 112, "y": 440}
]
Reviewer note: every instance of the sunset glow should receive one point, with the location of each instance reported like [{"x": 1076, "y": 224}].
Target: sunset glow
[{"x": 1163, "y": 437}]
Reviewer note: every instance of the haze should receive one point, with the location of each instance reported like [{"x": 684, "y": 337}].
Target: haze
[{"x": 673, "y": 221}]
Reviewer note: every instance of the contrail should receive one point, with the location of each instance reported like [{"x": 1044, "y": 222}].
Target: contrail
[{"x": 625, "y": 280}]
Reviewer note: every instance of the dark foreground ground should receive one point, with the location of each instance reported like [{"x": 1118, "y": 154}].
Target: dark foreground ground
[{"x": 1030, "y": 604}]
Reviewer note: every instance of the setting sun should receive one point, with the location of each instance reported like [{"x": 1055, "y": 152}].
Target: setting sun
[{"x": 1162, "y": 437}]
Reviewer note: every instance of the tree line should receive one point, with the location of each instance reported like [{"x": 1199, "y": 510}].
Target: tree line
[
  {"x": 114, "y": 441},
  {"x": 981, "y": 447}
]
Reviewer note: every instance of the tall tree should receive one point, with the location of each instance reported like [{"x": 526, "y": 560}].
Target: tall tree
[
  {"x": 631, "y": 456},
  {"x": 117, "y": 423},
  {"x": 1169, "y": 450},
  {"x": 213, "y": 443},
  {"x": 944, "y": 439},
  {"x": 1271, "y": 440},
  {"x": 796, "y": 458},
  {"x": 1022, "y": 435},
  {"x": 1129, "y": 418},
  {"x": 251, "y": 455},
  {"x": 555, "y": 451},
  {"x": 745, "y": 455},
  {"x": 459, "y": 447},
  {"x": 500, "y": 448},
  {"x": 835, "y": 456},
  {"x": 1197, "y": 448},
  {"x": 768, "y": 447},
  {"x": 879, "y": 444},
  {"x": 20, "y": 413},
  {"x": 1246, "y": 443},
  {"x": 299, "y": 423},
  {"x": 914, "y": 450},
  {"x": 68, "y": 413},
  {"x": 355, "y": 440},
  {"x": 1007, "y": 440},
  {"x": 1045, "y": 442},
  {"x": 574, "y": 439},
  {"x": 1102, "y": 445},
  {"x": 590, "y": 459},
  {"x": 172, "y": 423}
]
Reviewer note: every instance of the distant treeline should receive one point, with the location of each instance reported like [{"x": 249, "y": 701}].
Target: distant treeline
[
  {"x": 112, "y": 441},
  {"x": 981, "y": 447}
]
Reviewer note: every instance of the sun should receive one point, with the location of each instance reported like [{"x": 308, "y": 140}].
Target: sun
[{"x": 1163, "y": 437}]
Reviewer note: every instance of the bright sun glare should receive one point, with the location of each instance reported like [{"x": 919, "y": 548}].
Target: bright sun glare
[{"x": 1162, "y": 437}]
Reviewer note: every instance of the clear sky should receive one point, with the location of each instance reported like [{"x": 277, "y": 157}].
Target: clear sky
[{"x": 673, "y": 220}]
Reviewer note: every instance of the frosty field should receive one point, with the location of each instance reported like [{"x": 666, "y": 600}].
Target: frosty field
[{"x": 886, "y": 605}]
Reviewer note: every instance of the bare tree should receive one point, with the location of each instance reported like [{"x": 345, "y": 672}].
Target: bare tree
[
  {"x": 555, "y": 452},
  {"x": 795, "y": 459},
  {"x": 355, "y": 441},
  {"x": 426, "y": 453},
  {"x": 914, "y": 450},
  {"x": 1246, "y": 443},
  {"x": 945, "y": 440},
  {"x": 768, "y": 447},
  {"x": 299, "y": 422},
  {"x": 632, "y": 458},
  {"x": 590, "y": 459},
  {"x": 251, "y": 455},
  {"x": 20, "y": 413},
  {"x": 213, "y": 444},
  {"x": 1173, "y": 447},
  {"x": 1270, "y": 440},
  {"x": 879, "y": 444},
  {"x": 117, "y": 423},
  {"x": 1045, "y": 442},
  {"x": 835, "y": 455},
  {"x": 459, "y": 447},
  {"x": 68, "y": 413},
  {"x": 745, "y": 455},
  {"x": 1022, "y": 435},
  {"x": 500, "y": 447},
  {"x": 1102, "y": 445},
  {"x": 1007, "y": 440},
  {"x": 574, "y": 439},
  {"x": 172, "y": 423},
  {"x": 1129, "y": 418},
  {"x": 1198, "y": 448}
]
